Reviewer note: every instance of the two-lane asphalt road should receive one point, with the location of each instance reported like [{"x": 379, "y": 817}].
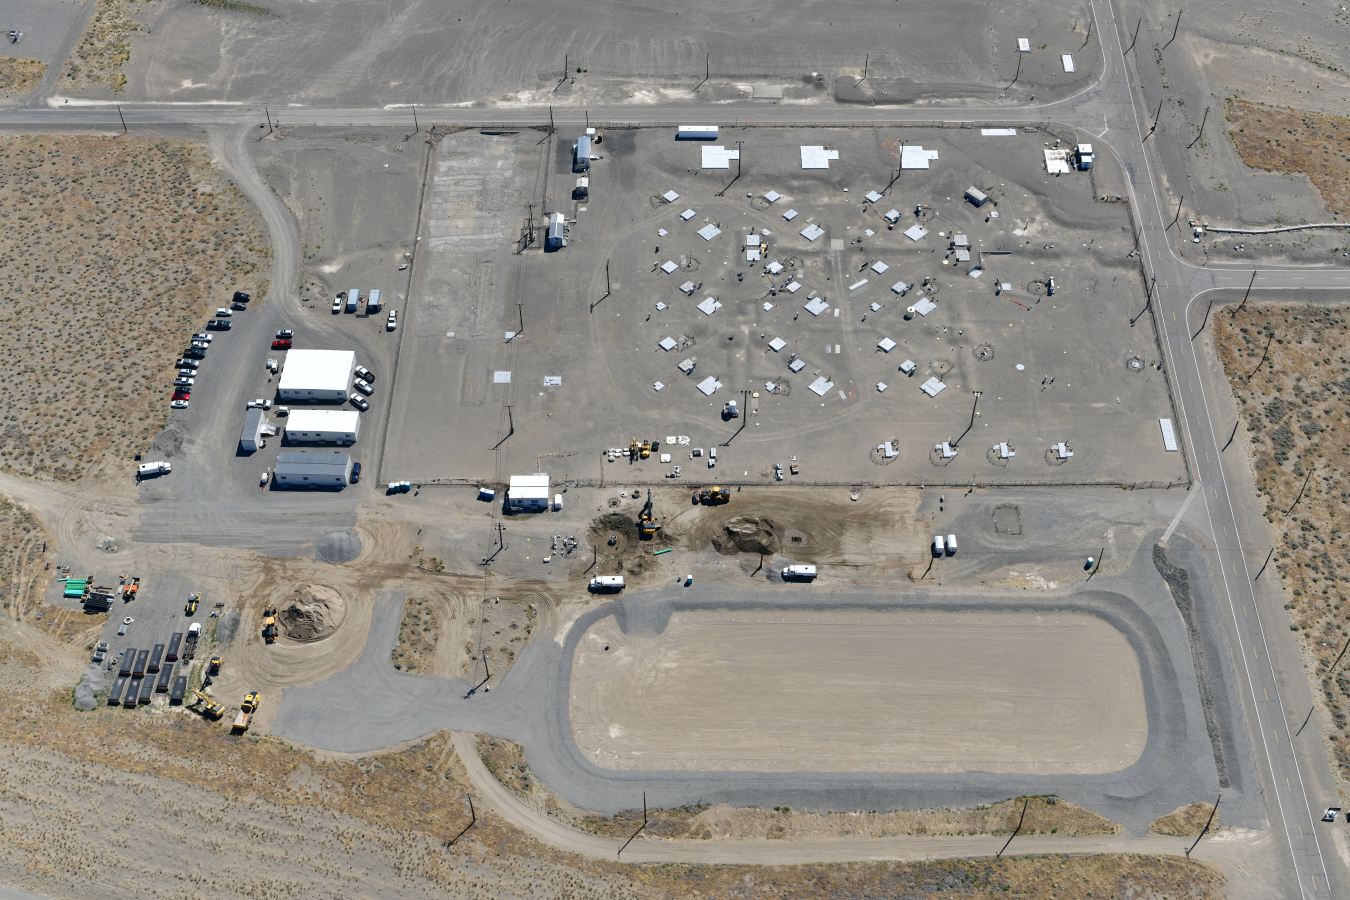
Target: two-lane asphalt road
[{"x": 1107, "y": 110}]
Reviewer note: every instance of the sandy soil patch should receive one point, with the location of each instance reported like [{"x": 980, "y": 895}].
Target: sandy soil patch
[
  {"x": 418, "y": 635},
  {"x": 23, "y": 559},
  {"x": 315, "y": 612},
  {"x": 19, "y": 76},
  {"x": 139, "y": 240},
  {"x": 1185, "y": 822},
  {"x": 1059, "y": 693},
  {"x": 105, "y": 45},
  {"x": 1294, "y": 140},
  {"x": 501, "y": 625},
  {"x": 1290, "y": 374}
]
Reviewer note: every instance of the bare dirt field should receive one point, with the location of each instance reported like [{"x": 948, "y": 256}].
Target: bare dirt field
[
  {"x": 19, "y": 76},
  {"x": 1294, "y": 140},
  {"x": 1187, "y": 821},
  {"x": 140, "y": 240},
  {"x": 418, "y": 635},
  {"x": 711, "y": 692},
  {"x": 105, "y": 45},
  {"x": 1290, "y": 374}
]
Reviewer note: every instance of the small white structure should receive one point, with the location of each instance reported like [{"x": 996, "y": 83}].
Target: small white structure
[
  {"x": 669, "y": 267},
  {"x": 812, "y": 232},
  {"x": 913, "y": 156},
  {"x": 670, "y": 196},
  {"x": 1169, "y": 435},
  {"x": 528, "y": 493},
  {"x": 557, "y": 231},
  {"x": 947, "y": 450},
  {"x": 892, "y": 216},
  {"x": 886, "y": 345},
  {"x": 1068, "y": 63},
  {"x": 879, "y": 267},
  {"x": 1062, "y": 450},
  {"x": 697, "y": 133},
  {"x": 316, "y": 375},
  {"x": 1056, "y": 161},
  {"x": 250, "y": 439},
  {"x": 1085, "y": 156},
  {"x": 1024, "y": 45},
  {"x": 932, "y": 387},
  {"x": 777, "y": 344},
  {"x": 790, "y": 215},
  {"x": 373, "y": 301},
  {"x": 719, "y": 157},
  {"x": 581, "y": 150},
  {"x": 924, "y": 306},
  {"x": 908, "y": 367},
  {"x": 772, "y": 196},
  {"x": 688, "y": 214},
  {"x": 915, "y": 232},
  {"x": 817, "y": 157},
  {"x": 709, "y": 306},
  {"x": 709, "y": 231},
  {"x": 976, "y": 196},
  {"x": 820, "y": 387},
  {"x": 709, "y": 385},
  {"x": 1004, "y": 451},
  {"x": 322, "y": 426}
]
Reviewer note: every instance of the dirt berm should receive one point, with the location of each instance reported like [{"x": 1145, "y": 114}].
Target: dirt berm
[
  {"x": 314, "y": 613},
  {"x": 748, "y": 534}
]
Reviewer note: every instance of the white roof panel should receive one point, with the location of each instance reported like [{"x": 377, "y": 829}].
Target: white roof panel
[
  {"x": 709, "y": 306},
  {"x": 1068, "y": 62},
  {"x": 886, "y": 344},
  {"x": 899, "y": 287},
  {"x": 752, "y": 254},
  {"x": 924, "y": 306},
  {"x": 671, "y": 196},
  {"x": 797, "y": 365},
  {"x": 820, "y": 387},
  {"x": 774, "y": 267},
  {"x": 718, "y": 157},
  {"x": 915, "y": 232},
  {"x": 687, "y": 287},
  {"x": 709, "y": 231},
  {"x": 879, "y": 267},
  {"x": 792, "y": 287},
  {"x": 773, "y": 196},
  {"x": 668, "y": 267},
  {"x": 317, "y": 370},
  {"x": 790, "y": 215},
  {"x": 688, "y": 214},
  {"x": 913, "y": 156},
  {"x": 709, "y": 385},
  {"x": 777, "y": 344},
  {"x": 341, "y": 421},
  {"x": 1024, "y": 45},
  {"x": 812, "y": 231},
  {"x": 932, "y": 387},
  {"x": 873, "y": 196},
  {"x": 817, "y": 157},
  {"x": 816, "y": 306},
  {"x": 667, "y": 344}
]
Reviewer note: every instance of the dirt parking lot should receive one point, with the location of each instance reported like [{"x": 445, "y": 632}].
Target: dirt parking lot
[{"x": 865, "y": 691}]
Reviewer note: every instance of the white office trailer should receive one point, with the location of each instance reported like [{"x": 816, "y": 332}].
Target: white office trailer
[
  {"x": 323, "y": 426},
  {"x": 697, "y": 133},
  {"x": 373, "y": 302},
  {"x": 557, "y": 231},
  {"x": 250, "y": 439},
  {"x": 316, "y": 375},
  {"x": 528, "y": 493},
  {"x": 581, "y": 161},
  {"x": 308, "y": 468},
  {"x": 353, "y": 298}
]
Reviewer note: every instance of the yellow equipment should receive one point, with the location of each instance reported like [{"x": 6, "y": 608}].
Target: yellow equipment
[
  {"x": 633, "y": 450},
  {"x": 246, "y": 710},
  {"x": 645, "y": 449},
  {"x": 647, "y": 524},
  {"x": 270, "y": 625},
  {"x": 192, "y": 601},
  {"x": 715, "y": 495},
  {"x": 211, "y": 709},
  {"x": 214, "y": 667}
]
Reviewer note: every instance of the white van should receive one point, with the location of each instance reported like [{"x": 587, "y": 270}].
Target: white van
[
  {"x": 951, "y": 545},
  {"x": 793, "y": 573},
  {"x": 937, "y": 545},
  {"x": 607, "y": 583},
  {"x": 151, "y": 469}
]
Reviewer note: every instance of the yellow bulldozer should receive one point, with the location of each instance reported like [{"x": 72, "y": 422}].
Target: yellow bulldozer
[
  {"x": 210, "y": 708},
  {"x": 269, "y": 631},
  {"x": 252, "y": 700}
]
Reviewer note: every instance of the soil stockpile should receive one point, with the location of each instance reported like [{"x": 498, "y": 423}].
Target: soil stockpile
[
  {"x": 314, "y": 613},
  {"x": 748, "y": 534}
]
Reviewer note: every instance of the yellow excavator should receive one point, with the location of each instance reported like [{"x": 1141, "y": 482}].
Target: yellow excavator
[
  {"x": 633, "y": 450},
  {"x": 647, "y": 524},
  {"x": 210, "y": 708},
  {"x": 252, "y": 701},
  {"x": 270, "y": 625}
]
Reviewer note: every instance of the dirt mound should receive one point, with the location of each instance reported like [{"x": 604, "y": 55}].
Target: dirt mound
[
  {"x": 314, "y": 613},
  {"x": 338, "y": 546},
  {"x": 748, "y": 534},
  {"x": 168, "y": 443},
  {"x": 1184, "y": 822}
]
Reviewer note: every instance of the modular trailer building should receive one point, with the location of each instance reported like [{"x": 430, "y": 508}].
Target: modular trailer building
[
  {"x": 528, "y": 493},
  {"x": 250, "y": 439},
  {"x": 316, "y": 376},
  {"x": 311, "y": 468},
  {"x": 323, "y": 426}
]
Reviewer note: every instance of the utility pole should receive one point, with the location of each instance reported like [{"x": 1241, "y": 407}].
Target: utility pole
[
  {"x": 1244, "y": 296},
  {"x": 1017, "y": 829},
  {"x": 1147, "y": 301},
  {"x": 1263, "y": 356},
  {"x": 123, "y": 118},
  {"x": 1156, "y": 117},
  {"x": 1211, "y": 812},
  {"x": 1203, "y": 120},
  {"x": 1174, "y": 29},
  {"x": 1177, "y": 217},
  {"x": 607, "y": 287},
  {"x": 520, "y": 311},
  {"x": 1136, "y": 35},
  {"x": 1205, "y": 319},
  {"x": 267, "y": 112},
  {"x": 640, "y": 827},
  {"x": 551, "y": 127},
  {"x": 416, "y": 127}
]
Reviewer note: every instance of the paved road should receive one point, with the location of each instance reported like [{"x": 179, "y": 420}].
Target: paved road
[{"x": 1107, "y": 109}]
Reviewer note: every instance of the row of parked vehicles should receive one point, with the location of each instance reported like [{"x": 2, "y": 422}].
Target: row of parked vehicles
[{"x": 188, "y": 367}]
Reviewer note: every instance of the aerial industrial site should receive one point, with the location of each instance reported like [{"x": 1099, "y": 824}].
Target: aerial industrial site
[{"x": 620, "y": 450}]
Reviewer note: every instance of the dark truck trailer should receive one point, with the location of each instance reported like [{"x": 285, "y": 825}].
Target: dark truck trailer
[
  {"x": 165, "y": 676},
  {"x": 147, "y": 689},
  {"x": 141, "y": 659},
  {"x": 156, "y": 656},
  {"x": 179, "y": 689},
  {"x": 97, "y": 601},
  {"x": 128, "y": 662},
  {"x": 130, "y": 698},
  {"x": 174, "y": 643},
  {"x": 190, "y": 645},
  {"x": 115, "y": 695}
]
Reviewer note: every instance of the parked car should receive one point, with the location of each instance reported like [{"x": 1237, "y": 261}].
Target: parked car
[
  {"x": 363, "y": 387},
  {"x": 260, "y": 403},
  {"x": 283, "y": 344},
  {"x": 186, "y": 373},
  {"x": 187, "y": 363},
  {"x": 178, "y": 404},
  {"x": 359, "y": 402},
  {"x": 181, "y": 394},
  {"x": 285, "y": 334},
  {"x": 222, "y": 313},
  {"x": 281, "y": 411},
  {"x": 184, "y": 382},
  {"x": 198, "y": 349},
  {"x": 241, "y": 297},
  {"x": 392, "y": 322},
  {"x": 219, "y": 324},
  {"x": 365, "y": 374},
  {"x": 337, "y": 305},
  {"x": 238, "y": 306},
  {"x": 356, "y": 473},
  {"x": 203, "y": 337},
  {"x": 266, "y": 476}
]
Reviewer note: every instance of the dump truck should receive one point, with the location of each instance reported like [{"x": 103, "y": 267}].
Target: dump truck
[
  {"x": 269, "y": 631},
  {"x": 153, "y": 469},
  {"x": 213, "y": 668},
  {"x": 190, "y": 642},
  {"x": 647, "y": 524},
  {"x": 210, "y": 708},
  {"x": 713, "y": 496},
  {"x": 246, "y": 710}
]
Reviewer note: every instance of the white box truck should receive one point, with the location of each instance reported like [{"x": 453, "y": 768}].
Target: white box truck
[
  {"x": 802, "y": 573},
  {"x": 153, "y": 469},
  {"x": 951, "y": 545},
  {"x": 937, "y": 545},
  {"x": 601, "y": 583},
  {"x": 353, "y": 298},
  {"x": 373, "y": 301}
]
